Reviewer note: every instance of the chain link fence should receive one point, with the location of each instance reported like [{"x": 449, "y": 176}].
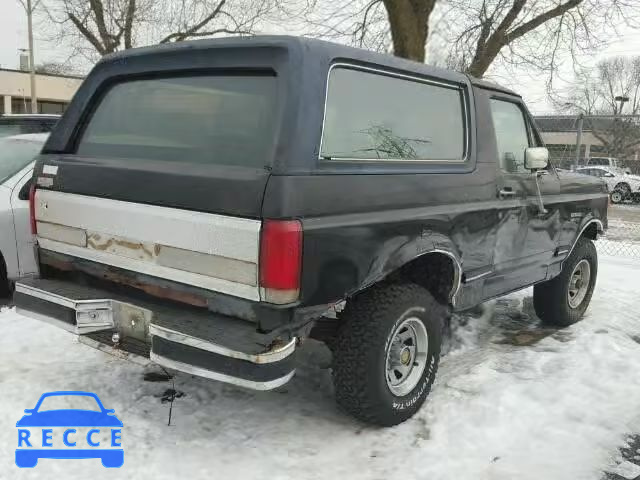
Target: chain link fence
[{"x": 605, "y": 146}]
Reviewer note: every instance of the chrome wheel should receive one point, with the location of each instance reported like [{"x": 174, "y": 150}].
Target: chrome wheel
[
  {"x": 407, "y": 356},
  {"x": 579, "y": 283},
  {"x": 616, "y": 197}
]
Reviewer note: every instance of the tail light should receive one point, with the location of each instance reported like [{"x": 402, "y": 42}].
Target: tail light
[
  {"x": 32, "y": 209},
  {"x": 280, "y": 260}
]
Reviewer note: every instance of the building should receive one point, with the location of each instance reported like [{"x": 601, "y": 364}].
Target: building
[
  {"x": 600, "y": 136},
  {"x": 54, "y": 91}
]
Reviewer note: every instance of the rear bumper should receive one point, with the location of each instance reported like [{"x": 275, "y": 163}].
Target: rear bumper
[{"x": 186, "y": 339}]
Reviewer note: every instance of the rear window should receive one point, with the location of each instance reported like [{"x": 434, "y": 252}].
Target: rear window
[
  {"x": 372, "y": 116},
  {"x": 599, "y": 161},
  {"x": 225, "y": 120}
]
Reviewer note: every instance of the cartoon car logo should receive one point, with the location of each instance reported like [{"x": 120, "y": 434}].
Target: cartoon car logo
[{"x": 36, "y": 432}]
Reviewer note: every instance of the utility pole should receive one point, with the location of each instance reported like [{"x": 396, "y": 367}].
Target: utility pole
[
  {"x": 579, "y": 126},
  {"x": 579, "y": 138},
  {"x": 618, "y": 128},
  {"x": 32, "y": 67}
]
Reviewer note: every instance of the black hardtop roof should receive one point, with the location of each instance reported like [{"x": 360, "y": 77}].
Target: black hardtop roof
[
  {"x": 303, "y": 64},
  {"x": 310, "y": 47}
]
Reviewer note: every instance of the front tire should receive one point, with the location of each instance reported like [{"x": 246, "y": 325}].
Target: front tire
[
  {"x": 563, "y": 300},
  {"x": 387, "y": 351}
]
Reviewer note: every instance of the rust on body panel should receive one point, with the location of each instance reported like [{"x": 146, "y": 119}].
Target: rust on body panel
[{"x": 121, "y": 246}]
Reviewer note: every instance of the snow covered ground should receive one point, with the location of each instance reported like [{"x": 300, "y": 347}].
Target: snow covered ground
[{"x": 513, "y": 400}]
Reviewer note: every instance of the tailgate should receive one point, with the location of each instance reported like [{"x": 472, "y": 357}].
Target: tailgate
[{"x": 215, "y": 252}]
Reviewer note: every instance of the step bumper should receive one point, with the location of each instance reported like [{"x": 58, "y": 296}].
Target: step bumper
[{"x": 184, "y": 339}]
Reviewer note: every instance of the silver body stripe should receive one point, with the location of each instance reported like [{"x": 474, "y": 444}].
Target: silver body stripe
[{"x": 210, "y": 251}]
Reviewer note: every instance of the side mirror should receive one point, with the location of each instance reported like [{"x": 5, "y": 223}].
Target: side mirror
[
  {"x": 23, "y": 194},
  {"x": 536, "y": 158},
  {"x": 28, "y": 410},
  {"x": 608, "y": 175}
]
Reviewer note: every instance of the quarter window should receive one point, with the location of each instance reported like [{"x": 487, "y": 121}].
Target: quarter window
[
  {"x": 512, "y": 136},
  {"x": 371, "y": 116}
]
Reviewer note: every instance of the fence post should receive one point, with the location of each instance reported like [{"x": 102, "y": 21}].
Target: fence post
[{"x": 579, "y": 139}]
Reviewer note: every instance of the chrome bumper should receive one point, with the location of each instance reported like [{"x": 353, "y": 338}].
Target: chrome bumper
[{"x": 189, "y": 340}]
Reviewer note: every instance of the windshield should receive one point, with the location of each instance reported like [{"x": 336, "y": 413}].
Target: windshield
[
  {"x": 9, "y": 127},
  {"x": 15, "y": 154},
  {"x": 66, "y": 402},
  {"x": 225, "y": 120}
]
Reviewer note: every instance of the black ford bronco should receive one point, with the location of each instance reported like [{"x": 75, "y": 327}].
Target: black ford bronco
[{"x": 211, "y": 204}]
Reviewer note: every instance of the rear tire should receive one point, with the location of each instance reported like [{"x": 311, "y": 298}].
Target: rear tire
[
  {"x": 617, "y": 196},
  {"x": 386, "y": 352},
  {"x": 563, "y": 300},
  {"x": 625, "y": 191}
]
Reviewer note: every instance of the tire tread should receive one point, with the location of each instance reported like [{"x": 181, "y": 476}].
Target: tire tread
[
  {"x": 550, "y": 297},
  {"x": 365, "y": 321}
]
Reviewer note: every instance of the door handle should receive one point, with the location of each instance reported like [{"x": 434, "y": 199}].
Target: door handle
[{"x": 506, "y": 192}]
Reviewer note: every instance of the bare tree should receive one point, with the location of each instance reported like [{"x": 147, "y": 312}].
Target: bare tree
[
  {"x": 99, "y": 27},
  {"x": 474, "y": 33},
  {"x": 594, "y": 93},
  {"x": 54, "y": 68}
]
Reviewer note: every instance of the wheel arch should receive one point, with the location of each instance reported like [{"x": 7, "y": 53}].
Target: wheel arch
[
  {"x": 590, "y": 229},
  {"x": 424, "y": 268},
  {"x": 439, "y": 264}
]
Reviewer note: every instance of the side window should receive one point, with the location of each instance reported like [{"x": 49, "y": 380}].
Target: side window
[
  {"x": 512, "y": 136},
  {"x": 373, "y": 116}
]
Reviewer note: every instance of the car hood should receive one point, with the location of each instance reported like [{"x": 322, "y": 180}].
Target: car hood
[{"x": 69, "y": 418}]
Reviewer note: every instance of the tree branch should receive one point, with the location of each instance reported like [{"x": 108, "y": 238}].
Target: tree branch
[
  {"x": 87, "y": 34},
  {"x": 191, "y": 31},
  {"x": 362, "y": 28},
  {"x": 128, "y": 23},
  {"x": 540, "y": 19},
  {"x": 98, "y": 12},
  {"x": 489, "y": 49}
]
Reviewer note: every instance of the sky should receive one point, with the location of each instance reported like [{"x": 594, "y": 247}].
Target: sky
[{"x": 13, "y": 36}]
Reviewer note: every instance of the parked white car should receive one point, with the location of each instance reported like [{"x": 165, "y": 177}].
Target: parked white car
[
  {"x": 16, "y": 243},
  {"x": 622, "y": 186},
  {"x": 23, "y": 123},
  {"x": 606, "y": 162}
]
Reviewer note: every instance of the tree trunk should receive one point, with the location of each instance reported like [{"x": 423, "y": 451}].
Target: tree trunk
[
  {"x": 483, "y": 60},
  {"x": 409, "y": 23},
  {"x": 488, "y": 49}
]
